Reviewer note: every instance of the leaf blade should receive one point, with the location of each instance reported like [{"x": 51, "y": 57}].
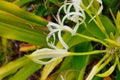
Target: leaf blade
[{"x": 17, "y": 33}]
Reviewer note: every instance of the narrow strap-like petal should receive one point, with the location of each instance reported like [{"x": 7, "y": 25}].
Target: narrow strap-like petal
[{"x": 62, "y": 41}]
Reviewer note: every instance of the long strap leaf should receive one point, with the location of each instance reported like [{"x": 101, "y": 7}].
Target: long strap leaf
[
  {"x": 13, "y": 9},
  {"x": 18, "y": 33}
]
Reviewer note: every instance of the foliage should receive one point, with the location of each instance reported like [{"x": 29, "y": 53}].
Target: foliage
[{"x": 89, "y": 49}]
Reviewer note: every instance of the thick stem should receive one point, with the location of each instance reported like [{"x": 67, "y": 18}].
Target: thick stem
[{"x": 91, "y": 38}]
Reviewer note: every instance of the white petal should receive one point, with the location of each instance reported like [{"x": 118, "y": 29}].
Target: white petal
[
  {"x": 61, "y": 40},
  {"x": 38, "y": 61},
  {"x": 73, "y": 13},
  {"x": 67, "y": 28},
  {"x": 76, "y": 27},
  {"x": 44, "y": 53},
  {"x": 53, "y": 25},
  {"x": 51, "y": 34}
]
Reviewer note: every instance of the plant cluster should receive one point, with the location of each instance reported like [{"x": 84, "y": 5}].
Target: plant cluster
[{"x": 80, "y": 34}]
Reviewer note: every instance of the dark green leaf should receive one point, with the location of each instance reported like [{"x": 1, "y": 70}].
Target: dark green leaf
[
  {"x": 107, "y": 23},
  {"x": 118, "y": 75},
  {"x": 79, "y": 63}
]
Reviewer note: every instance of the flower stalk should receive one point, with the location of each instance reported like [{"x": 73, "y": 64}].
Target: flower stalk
[
  {"x": 92, "y": 39},
  {"x": 96, "y": 67},
  {"x": 110, "y": 70},
  {"x": 53, "y": 54}
]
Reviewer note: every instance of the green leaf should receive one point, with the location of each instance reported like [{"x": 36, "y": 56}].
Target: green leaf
[
  {"x": 95, "y": 31},
  {"x": 22, "y": 2},
  {"x": 97, "y": 78},
  {"x": 23, "y": 34},
  {"x": 15, "y": 10},
  {"x": 53, "y": 1},
  {"x": 11, "y": 19},
  {"x": 66, "y": 64},
  {"x": 110, "y": 3},
  {"x": 118, "y": 75},
  {"x": 107, "y": 23},
  {"x": 79, "y": 63},
  {"x": 49, "y": 67},
  {"x": 22, "y": 67},
  {"x": 74, "y": 40},
  {"x": 27, "y": 70},
  {"x": 10, "y": 69}
]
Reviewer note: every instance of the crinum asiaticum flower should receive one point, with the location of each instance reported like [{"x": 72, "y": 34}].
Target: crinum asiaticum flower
[
  {"x": 53, "y": 27},
  {"x": 76, "y": 16},
  {"x": 73, "y": 12},
  {"x": 90, "y": 4},
  {"x": 46, "y": 53},
  {"x": 39, "y": 55}
]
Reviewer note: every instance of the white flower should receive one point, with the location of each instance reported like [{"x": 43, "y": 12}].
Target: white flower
[
  {"x": 53, "y": 27},
  {"x": 79, "y": 2},
  {"x": 73, "y": 12},
  {"x": 47, "y": 53},
  {"x": 77, "y": 16}
]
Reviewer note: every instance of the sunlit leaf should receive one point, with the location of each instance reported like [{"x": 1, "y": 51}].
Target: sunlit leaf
[
  {"x": 18, "y": 33},
  {"x": 27, "y": 70},
  {"x": 11, "y": 19},
  {"x": 22, "y": 2},
  {"x": 15, "y": 10}
]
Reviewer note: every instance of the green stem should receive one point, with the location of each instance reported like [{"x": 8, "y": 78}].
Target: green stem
[
  {"x": 87, "y": 53},
  {"x": 118, "y": 65},
  {"x": 111, "y": 69},
  {"x": 91, "y": 38},
  {"x": 95, "y": 68},
  {"x": 112, "y": 42},
  {"x": 104, "y": 64},
  {"x": 103, "y": 59}
]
